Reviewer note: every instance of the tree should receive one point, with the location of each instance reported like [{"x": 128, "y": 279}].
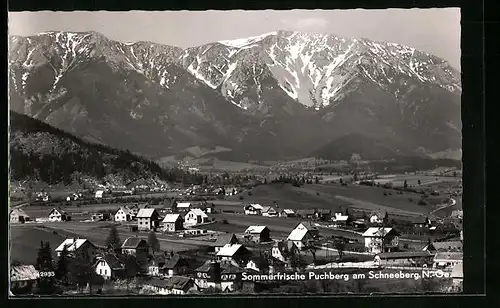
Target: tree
[
  {"x": 386, "y": 218},
  {"x": 44, "y": 264},
  {"x": 113, "y": 239},
  {"x": 419, "y": 183},
  {"x": 341, "y": 181},
  {"x": 405, "y": 185},
  {"x": 316, "y": 180},
  {"x": 339, "y": 244},
  {"x": 62, "y": 266},
  {"x": 81, "y": 272},
  {"x": 153, "y": 242}
]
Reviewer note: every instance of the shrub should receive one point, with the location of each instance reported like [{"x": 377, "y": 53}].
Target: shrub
[{"x": 422, "y": 202}]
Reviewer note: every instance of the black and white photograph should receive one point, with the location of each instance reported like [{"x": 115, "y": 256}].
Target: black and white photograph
[{"x": 272, "y": 152}]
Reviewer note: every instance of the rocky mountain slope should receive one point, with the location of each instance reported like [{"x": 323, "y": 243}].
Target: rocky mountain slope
[{"x": 276, "y": 96}]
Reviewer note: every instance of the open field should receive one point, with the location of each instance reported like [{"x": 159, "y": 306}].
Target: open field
[{"x": 25, "y": 241}]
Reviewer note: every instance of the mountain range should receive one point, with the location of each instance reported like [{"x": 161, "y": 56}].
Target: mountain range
[{"x": 277, "y": 96}]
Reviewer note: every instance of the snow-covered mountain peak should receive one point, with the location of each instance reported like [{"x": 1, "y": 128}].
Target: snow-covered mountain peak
[{"x": 239, "y": 43}]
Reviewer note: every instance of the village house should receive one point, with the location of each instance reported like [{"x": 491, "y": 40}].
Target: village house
[
  {"x": 23, "y": 278},
  {"x": 447, "y": 259},
  {"x": 269, "y": 211},
  {"x": 377, "y": 217},
  {"x": 302, "y": 235},
  {"x": 323, "y": 214},
  {"x": 99, "y": 194},
  {"x": 220, "y": 276},
  {"x": 78, "y": 248},
  {"x": 208, "y": 208},
  {"x": 306, "y": 214},
  {"x": 236, "y": 254},
  {"x": 287, "y": 213},
  {"x": 282, "y": 252},
  {"x": 136, "y": 246},
  {"x": 379, "y": 240},
  {"x": 258, "y": 263},
  {"x": 109, "y": 266},
  {"x": 56, "y": 214},
  {"x": 18, "y": 216},
  {"x": 42, "y": 197},
  {"x": 155, "y": 264},
  {"x": 172, "y": 223},
  {"x": 101, "y": 217},
  {"x": 147, "y": 219},
  {"x": 253, "y": 209},
  {"x": 404, "y": 258},
  {"x": 176, "y": 265},
  {"x": 443, "y": 246},
  {"x": 177, "y": 285},
  {"x": 183, "y": 207},
  {"x": 359, "y": 223},
  {"x": 123, "y": 214},
  {"x": 225, "y": 239},
  {"x": 422, "y": 222},
  {"x": 195, "y": 217},
  {"x": 258, "y": 234}
]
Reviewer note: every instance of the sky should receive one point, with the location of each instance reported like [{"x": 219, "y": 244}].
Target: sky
[{"x": 435, "y": 31}]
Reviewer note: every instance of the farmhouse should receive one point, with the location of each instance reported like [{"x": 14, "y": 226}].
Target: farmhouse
[
  {"x": 258, "y": 234},
  {"x": 307, "y": 214},
  {"x": 18, "y": 216},
  {"x": 323, "y": 214},
  {"x": 100, "y": 217},
  {"x": 302, "y": 235},
  {"x": 110, "y": 267},
  {"x": 183, "y": 206},
  {"x": 177, "y": 285},
  {"x": 207, "y": 207},
  {"x": 56, "y": 214},
  {"x": 253, "y": 209},
  {"x": 258, "y": 263},
  {"x": 124, "y": 214},
  {"x": 422, "y": 222},
  {"x": 23, "y": 278},
  {"x": 155, "y": 263},
  {"x": 99, "y": 194},
  {"x": 195, "y": 217},
  {"x": 447, "y": 259},
  {"x": 172, "y": 223},
  {"x": 269, "y": 211},
  {"x": 236, "y": 254},
  {"x": 78, "y": 248},
  {"x": 176, "y": 265},
  {"x": 404, "y": 258},
  {"x": 147, "y": 219},
  {"x": 221, "y": 276},
  {"x": 340, "y": 219},
  {"x": 136, "y": 247},
  {"x": 443, "y": 246},
  {"x": 379, "y": 240},
  {"x": 287, "y": 213},
  {"x": 377, "y": 217},
  {"x": 225, "y": 239}
]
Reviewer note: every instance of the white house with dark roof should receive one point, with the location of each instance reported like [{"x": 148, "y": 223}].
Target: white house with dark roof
[
  {"x": 195, "y": 217},
  {"x": 225, "y": 239},
  {"x": 78, "y": 248},
  {"x": 269, "y": 211},
  {"x": 172, "y": 222},
  {"x": 302, "y": 235},
  {"x": 124, "y": 214},
  {"x": 57, "y": 214},
  {"x": 287, "y": 213},
  {"x": 379, "y": 240},
  {"x": 253, "y": 209},
  {"x": 147, "y": 219}
]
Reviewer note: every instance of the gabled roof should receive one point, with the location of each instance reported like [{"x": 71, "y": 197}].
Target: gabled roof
[
  {"x": 172, "y": 262},
  {"x": 158, "y": 260},
  {"x": 18, "y": 212},
  {"x": 172, "y": 217},
  {"x": 179, "y": 283},
  {"x": 308, "y": 225},
  {"x": 113, "y": 262},
  {"x": 62, "y": 212},
  {"x": 306, "y": 212},
  {"x": 23, "y": 273},
  {"x": 133, "y": 242},
  {"x": 230, "y": 250},
  {"x": 256, "y": 206},
  {"x": 198, "y": 212},
  {"x": 288, "y": 211},
  {"x": 125, "y": 209},
  {"x": 145, "y": 213},
  {"x": 255, "y": 229},
  {"x": 184, "y": 204},
  {"x": 224, "y": 239},
  {"x": 379, "y": 232},
  {"x": 297, "y": 234},
  {"x": 72, "y": 244},
  {"x": 266, "y": 209},
  {"x": 447, "y": 245},
  {"x": 404, "y": 254}
]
